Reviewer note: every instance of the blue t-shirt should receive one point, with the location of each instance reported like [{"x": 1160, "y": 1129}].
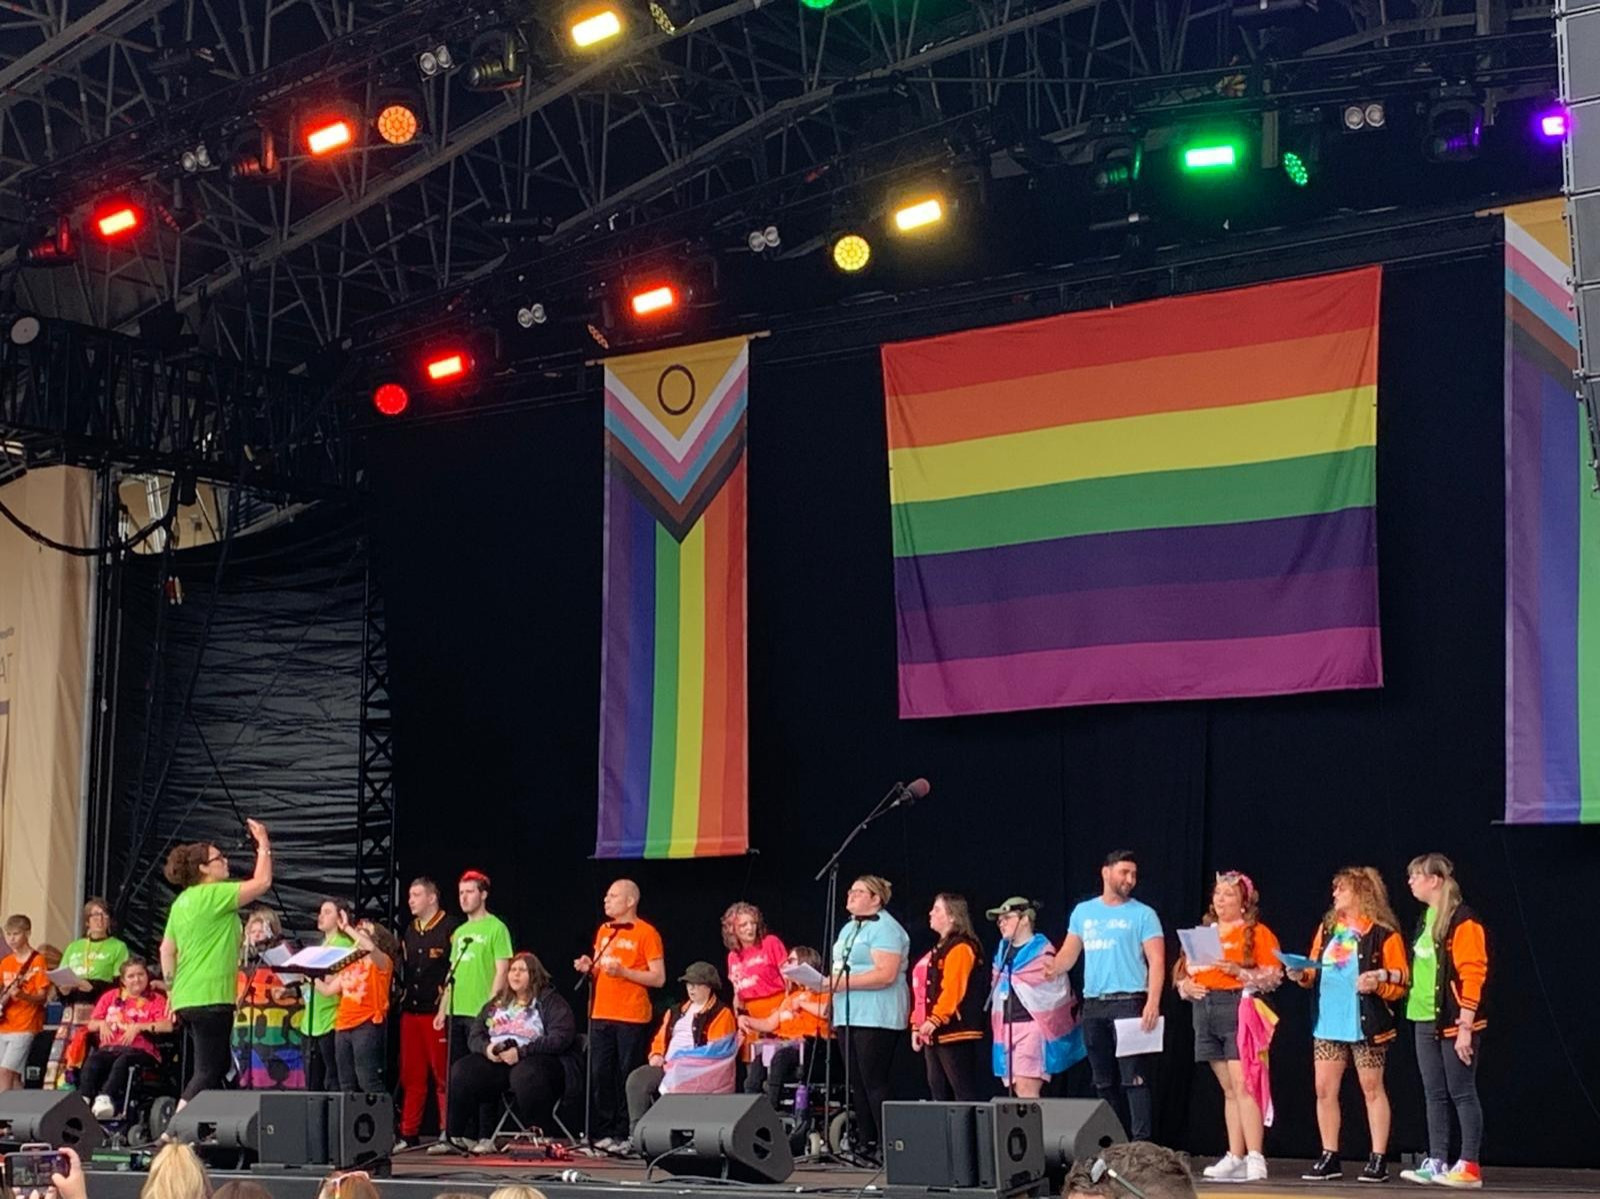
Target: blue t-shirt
[
  {"x": 1338, "y": 1003},
  {"x": 886, "y": 1007},
  {"x": 1113, "y": 945}
]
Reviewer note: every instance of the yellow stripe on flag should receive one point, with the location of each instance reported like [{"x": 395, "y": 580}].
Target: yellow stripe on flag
[
  {"x": 691, "y": 692},
  {"x": 1166, "y": 441}
]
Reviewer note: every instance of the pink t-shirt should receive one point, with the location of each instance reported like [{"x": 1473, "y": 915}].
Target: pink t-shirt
[
  {"x": 123, "y": 1015},
  {"x": 919, "y": 989},
  {"x": 755, "y": 969}
]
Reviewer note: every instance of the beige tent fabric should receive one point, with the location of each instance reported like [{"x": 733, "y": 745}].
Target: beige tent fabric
[{"x": 45, "y": 604}]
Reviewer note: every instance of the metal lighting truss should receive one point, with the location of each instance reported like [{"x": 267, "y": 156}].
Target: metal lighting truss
[
  {"x": 377, "y": 883},
  {"x": 739, "y": 96}
]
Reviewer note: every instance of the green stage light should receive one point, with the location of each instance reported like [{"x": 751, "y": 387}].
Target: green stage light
[
  {"x": 818, "y": 4},
  {"x": 1210, "y": 156},
  {"x": 1295, "y": 167}
]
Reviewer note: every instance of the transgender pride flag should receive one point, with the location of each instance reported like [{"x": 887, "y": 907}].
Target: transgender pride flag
[
  {"x": 1048, "y": 1000},
  {"x": 703, "y": 1069}
]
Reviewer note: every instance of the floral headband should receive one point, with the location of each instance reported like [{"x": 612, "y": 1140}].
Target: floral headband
[{"x": 1247, "y": 888}]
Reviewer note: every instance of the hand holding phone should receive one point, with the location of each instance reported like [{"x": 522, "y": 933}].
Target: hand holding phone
[{"x": 32, "y": 1167}]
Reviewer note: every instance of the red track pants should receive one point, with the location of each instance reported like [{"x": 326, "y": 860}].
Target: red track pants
[{"x": 422, "y": 1049}]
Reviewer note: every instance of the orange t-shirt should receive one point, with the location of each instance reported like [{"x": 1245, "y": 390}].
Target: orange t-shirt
[
  {"x": 19, "y": 1016},
  {"x": 1266, "y": 947},
  {"x": 632, "y": 948},
  {"x": 364, "y": 998},
  {"x": 795, "y": 1022}
]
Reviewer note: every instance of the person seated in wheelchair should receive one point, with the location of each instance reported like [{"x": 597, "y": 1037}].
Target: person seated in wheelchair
[
  {"x": 789, "y": 1033},
  {"x": 123, "y": 1021}
]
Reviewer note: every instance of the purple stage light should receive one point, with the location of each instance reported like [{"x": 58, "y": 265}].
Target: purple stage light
[{"x": 1554, "y": 124}]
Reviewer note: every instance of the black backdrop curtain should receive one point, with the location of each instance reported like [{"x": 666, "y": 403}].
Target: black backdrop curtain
[
  {"x": 271, "y": 731},
  {"x": 490, "y": 539}
]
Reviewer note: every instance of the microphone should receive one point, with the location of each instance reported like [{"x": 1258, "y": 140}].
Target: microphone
[
  {"x": 618, "y": 926},
  {"x": 910, "y": 792}
]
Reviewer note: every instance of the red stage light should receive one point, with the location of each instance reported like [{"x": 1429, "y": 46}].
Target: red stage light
[
  {"x": 661, "y": 298},
  {"x": 390, "y": 399},
  {"x": 325, "y": 134},
  {"x": 117, "y": 219},
  {"x": 452, "y": 364}
]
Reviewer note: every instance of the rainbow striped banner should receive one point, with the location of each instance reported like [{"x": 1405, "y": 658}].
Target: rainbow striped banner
[
  {"x": 673, "y": 742},
  {"x": 1552, "y": 537},
  {"x": 1168, "y": 501}
]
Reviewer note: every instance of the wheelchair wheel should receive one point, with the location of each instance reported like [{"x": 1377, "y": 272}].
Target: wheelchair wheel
[
  {"x": 841, "y": 1133},
  {"x": 159, "y": 1116}
]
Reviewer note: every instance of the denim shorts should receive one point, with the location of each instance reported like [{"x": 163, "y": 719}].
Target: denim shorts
[{"x": 1216, "y": 1027}]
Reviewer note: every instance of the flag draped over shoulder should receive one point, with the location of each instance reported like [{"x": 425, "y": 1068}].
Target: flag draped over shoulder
[
  {"x": 702, "y": 1069},
  {"x": 1552, "y": 537},
  {"x": 673, "y": 737},
  {"x": 1172, "y": 500},
  {"x": 1049, "y": 1001}
]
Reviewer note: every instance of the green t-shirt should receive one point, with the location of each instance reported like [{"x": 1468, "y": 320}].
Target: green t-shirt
[
  {"x": 1424, "y": 974},
  {"x": 204, "y": 925},
  {"x": 490, "y": 942},
  {"x": 321, "y": 1009},
  {"x": 95, "y": 961}
]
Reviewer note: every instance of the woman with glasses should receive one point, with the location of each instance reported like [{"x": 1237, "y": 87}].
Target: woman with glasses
[
  {"x": 947, "y": 1004},
  {"x": 870, "y": 1001},
  {"x": 780, "y": 1039},
  {"x": 200, "y": 951},
  {"x": 1036, "y": 1035},
  {"x": 1220, "y": 992},
  {"x": 96, "y": 958}
]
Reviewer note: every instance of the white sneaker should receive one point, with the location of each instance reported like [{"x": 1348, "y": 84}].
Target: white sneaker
[
  {"x": 483, "y": 1148},
  {"x": 102, "y": 1107},
  {"x": 1255, "y": 1168},
  {"x": 1227, "y": 1168},
  {"x": 606, "y": 1144},
  {"x": 442, "y": 1146}
]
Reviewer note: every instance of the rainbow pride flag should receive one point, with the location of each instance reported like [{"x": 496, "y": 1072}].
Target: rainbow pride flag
[
  {"x": 673, "y": 738},
  {"x": 1552, "y": 537},
  {"x": 1172, "y": 500}
]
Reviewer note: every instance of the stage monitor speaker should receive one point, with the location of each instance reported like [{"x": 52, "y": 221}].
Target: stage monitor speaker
[
  {"x": 1075, "y": 1129},
  {"x": 996, "y": 1146},
  {"x": 56, "y": 1118},
  {"x": 737, "y": 1137},
  {"x": 291, "y": 1128}
]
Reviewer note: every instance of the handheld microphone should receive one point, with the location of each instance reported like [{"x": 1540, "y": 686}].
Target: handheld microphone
[
  {"x": 910, "y": 792},
  {"x": 618, "y": 926}
]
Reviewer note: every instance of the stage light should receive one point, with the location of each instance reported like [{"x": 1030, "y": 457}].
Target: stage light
[
  {"x": 435, "y": 59},
  {"x": 1355, "y": 117},
  {"x": 919, "y": 214},
  {"x": 198, "y": 159},
  {"x": 1375, "y": 115},
  {"x": 117, "y": 219},
  {"x": 1211, "y": 156},
  {"x": 390, "y": 399},
  {"x": 1553, "y": 124},
  {"x": 591, "y": 27},
  {"x": 25, "y": 330},
  {"x": 529, "y": 315},
  {"x": 1455, "y": 130},
  {"x": 761, "y": 240},
  {"x": 495, "y": 62},
  {"x": 670, "y": 14},
  {"x": 58, "y": 247},
  {"x": 397, "y": 122},
  {"x": 254, "y": 156},
  {"x": 851, "y": 253},
  {"x": 326, "y": 133},
  {"x": 817, "y": 4},
  {"x": 1296, "y": 169},
  {"x": 448, "y": 365},
  {"x": 653, "y": 301}
]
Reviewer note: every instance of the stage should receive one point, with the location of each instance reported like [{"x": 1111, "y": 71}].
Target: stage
[{"x": 415, "y": 1175}]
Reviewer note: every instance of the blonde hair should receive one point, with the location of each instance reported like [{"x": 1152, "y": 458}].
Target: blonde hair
[
  {"x": 1372, "y": 897},
  {"x": 878, "y": 885},
  {"x": 262, "y": 914},
  {"x": 348, "y": 1184},
  {"x": 516, "y": 1190},
  {"x": 176, "y": 1173},
  {"x": 1436, "y": 865}
]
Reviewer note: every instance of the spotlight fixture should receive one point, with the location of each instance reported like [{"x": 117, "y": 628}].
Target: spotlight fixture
[
  {"x": 58, "y": 246},
  {"x": 816, "y": 5},
  {"x": 595, "y": 332},
  {"x": 1455, "y": 130},
  {"x": 390, "y": 399},
  {"x": 1296, "y": 169},
  {"x": 529, "y": 315},
  {"x": 654, "y": 300},
  {"x": 1118, "y": 160},
  {"x": 851, "y": 252},
  {"x": 919, "y": 214},
  {"x": 25, "y": 330},
  {"x": 117, "y": 219},
  {"x": 1553, "y": 124},
  {"x": 447, "y": 366},
  {"x": 495, "y": 62},
  {"x": 669, "y": 15},
  {"x": 761, "y": 240},
  {"x": 435, "y": 59},
  {"x": 254, "y": 155},
  {"x": 197, "y": 159},
  {"x": 329, "y": 131},
  {"x": 1364, "y": 114},
  {"x": 397, "y": 121},
  {"x": 1211, "y": 155},
  {"x": 595, "y": 25}
]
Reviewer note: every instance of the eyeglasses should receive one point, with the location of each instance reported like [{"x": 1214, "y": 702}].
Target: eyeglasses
[
  {"x": 1100, "y": 1171},
  {"x": 216, "y": 857}
]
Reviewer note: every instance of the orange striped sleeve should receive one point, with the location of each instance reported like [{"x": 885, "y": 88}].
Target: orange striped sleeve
[
  {"x": 1469, "y": 950},
  {"x": 1394, "y": 961},
  {"x": 958, "y": 964}
]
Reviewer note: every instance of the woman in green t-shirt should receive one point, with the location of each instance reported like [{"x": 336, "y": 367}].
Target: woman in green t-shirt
[
  {"x": 200, "y": 951},
  {"x": 96, "y": 958}
]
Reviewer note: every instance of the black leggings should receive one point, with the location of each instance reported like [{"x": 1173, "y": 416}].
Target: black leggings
[
  {"x": 106, "y": 1071},
  {"x": 476, "y": 1085},
  {"x": 955, "y": 1071},
  {"x": 871, "y": 1068},
  {"x": 207, "y": 1037}
]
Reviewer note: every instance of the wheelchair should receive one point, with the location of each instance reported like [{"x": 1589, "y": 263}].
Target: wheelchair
[
  {"x": 150, "y": 1099},
  {"x": 807, "y": 1136}
]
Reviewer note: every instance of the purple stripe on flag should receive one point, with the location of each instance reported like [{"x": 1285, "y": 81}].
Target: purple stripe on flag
[
  {"x": 1324, "y": 660},
  {"x": 1165, "y": 612},
  {"x": 1246, "y": 550},
  {"x": 1558, "y": 599},
  {"x": 1525, "y": 784},
  {"x": 615, "y": 653}
]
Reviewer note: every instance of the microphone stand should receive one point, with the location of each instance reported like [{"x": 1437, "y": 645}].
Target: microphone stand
[
  {"x": 896, "y": 795},
  {"x": 447, "y": 988},
  {"x": 588, "y": 1031}
]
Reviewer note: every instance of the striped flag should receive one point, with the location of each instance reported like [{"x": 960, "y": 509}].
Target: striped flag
[
  {"x": 1168, "y": 501},
  {"x": 673, "y": 745},
  {"x": 1552, "y": 537},
  {"x": 707, "y": 1069}
]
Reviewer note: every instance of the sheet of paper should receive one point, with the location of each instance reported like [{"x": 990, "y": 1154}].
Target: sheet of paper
[
  {"x": 277, "y": 955},
  {"x": 803, "y": 975},
  {"x": 321, "y": 957},
  {"x": 1293, "y": 961},
  {"x": 65, "y": 978},
  {"x": 1202, "y": 945},
  {"x": 1132, "y": 1040}
]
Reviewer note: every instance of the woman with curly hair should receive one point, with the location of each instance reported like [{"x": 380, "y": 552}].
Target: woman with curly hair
[
  {"x": 1360, "y": 974},
  {"x": 1219, "y": 992},
  {"x": 755, "y": 964}
]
